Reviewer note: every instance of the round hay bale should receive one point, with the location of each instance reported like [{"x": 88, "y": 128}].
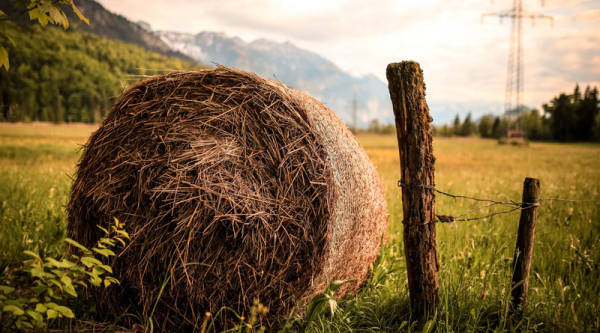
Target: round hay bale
[{"x": 259, "y": 182}]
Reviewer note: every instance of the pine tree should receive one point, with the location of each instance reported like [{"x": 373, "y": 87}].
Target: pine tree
[
  {"x": 587, "y": 111},
  {"x": 456, "y": 127},
  {"x": 468, "y": 127}
]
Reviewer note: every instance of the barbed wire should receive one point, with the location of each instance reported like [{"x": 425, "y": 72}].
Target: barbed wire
[
  {"x": 513, "y": 205},
  {"x": 569, "y": 200}
]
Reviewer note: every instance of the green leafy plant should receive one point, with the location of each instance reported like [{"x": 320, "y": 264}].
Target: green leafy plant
[
  {"x": 43, "y": 288},
  {"x": 317, "y": 306},
  {"x": 44, "y": 11}
]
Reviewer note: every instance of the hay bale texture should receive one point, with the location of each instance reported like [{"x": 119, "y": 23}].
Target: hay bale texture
[{"x": 258, "y": 181}]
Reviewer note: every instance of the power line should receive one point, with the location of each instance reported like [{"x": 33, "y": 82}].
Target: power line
[
  {"x": 354, "y": 113},
  {"x": 513, "y": 98}
]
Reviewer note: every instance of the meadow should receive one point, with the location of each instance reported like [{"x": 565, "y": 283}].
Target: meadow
[{"x": 476, "y": 257}]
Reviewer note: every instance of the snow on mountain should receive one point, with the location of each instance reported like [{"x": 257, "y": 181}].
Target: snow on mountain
[{"x": 296, "y": 67}]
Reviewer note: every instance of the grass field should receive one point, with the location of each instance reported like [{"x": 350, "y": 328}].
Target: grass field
[{"x": 476, "y": 257}]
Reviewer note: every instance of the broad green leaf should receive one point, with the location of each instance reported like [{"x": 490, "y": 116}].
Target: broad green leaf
[
  {"x": 6, "y": 289},
  {"x": 23, "y": 323},
  {"x": 71, "y": 290},
  {"x": 13, "y": 302},
  {"x": 51, "y": 305},
  {"x": 43, "y": 5},
  {"x": 39, "y": 289},
  {"x": 14, "y": 309},
  {"x": 94, "y": 279},
  {"x": 74, "y": 243},
  {"x": 90, "y": 261},
  {"x": 106, "y": 268},
  {"x": 113, "y": 280},
  {"x": 37, "y": 316},
  {"x": 33, "y": 13},
  {"x": 32, "y": 254},
  {"x": 41, "y": 308},
  {"x": 107, "y": 241},
  {"x": 98, "y": 270},
  {"x": 57, "y": 15},
  {"x": 120, "y": 240},
  {"x": 81, "y": 17},
  {"x": 66, "y": 280},
  {"x": 60, "y": 264},
  {"x": 123, "y": 233},
  {"x": 51, "y": 314},
  {"x": 56, "y": 283},
  {"x": 104, "y": 252},
  {"x": 16, "y": 302},
  {"x": 104, "y": 230},
  {"x": 39, "y": 273},
  {"x": 36, "y": 13},
  {"x": 428, "y": 327},
  {"x": 65, "y": 311}
]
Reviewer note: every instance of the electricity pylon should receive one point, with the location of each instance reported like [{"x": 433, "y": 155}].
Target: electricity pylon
[{"x": 513, "y": 98}]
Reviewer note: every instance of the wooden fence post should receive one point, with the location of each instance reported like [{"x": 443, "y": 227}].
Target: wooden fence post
[
  {"x": 525, "y": 238},
  {"x": 407, "y": 91}
]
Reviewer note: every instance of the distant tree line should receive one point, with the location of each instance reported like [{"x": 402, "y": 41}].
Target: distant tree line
[
  {"x": 566, "y": 118},
  {"x": 65, "y": 76},
  {"x": 376, "y": 127}
]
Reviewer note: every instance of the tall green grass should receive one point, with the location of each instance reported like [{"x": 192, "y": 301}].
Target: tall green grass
[{"x": 476, "y": 257}]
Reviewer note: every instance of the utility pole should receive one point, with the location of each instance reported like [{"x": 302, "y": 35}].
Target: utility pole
[
  {"x": 354, "y": 113},
  {"x": 513, "y": 98}
]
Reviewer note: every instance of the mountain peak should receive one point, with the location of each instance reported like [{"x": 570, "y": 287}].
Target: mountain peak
[
  {"x": 209, "y": 37},
  {"x": 145, "y": 25},
  {"x": 296, "y": 67}
]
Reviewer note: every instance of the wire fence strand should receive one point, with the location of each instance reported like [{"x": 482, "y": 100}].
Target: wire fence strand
[{"x": 512, "y": 205}]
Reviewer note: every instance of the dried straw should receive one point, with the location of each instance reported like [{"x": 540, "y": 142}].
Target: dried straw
[{"x": 259, "y": 182}]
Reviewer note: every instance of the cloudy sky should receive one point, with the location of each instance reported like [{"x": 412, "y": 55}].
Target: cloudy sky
[{"x": 464, "y": 61}]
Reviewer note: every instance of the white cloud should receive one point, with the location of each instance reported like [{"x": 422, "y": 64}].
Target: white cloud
[{"x": 464, "y": 61}]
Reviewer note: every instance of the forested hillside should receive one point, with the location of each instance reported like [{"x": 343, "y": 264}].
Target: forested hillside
[
  {"x": 103, "y": 23},
  {"x": 65, "y": 76}
]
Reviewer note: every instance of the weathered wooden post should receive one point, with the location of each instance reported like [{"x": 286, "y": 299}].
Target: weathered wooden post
[
  {"x": 407, "y": 91},
  {"x": 525, "y": 238}
]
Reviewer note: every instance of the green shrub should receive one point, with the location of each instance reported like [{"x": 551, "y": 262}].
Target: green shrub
[{"x": 44, "y": 289}]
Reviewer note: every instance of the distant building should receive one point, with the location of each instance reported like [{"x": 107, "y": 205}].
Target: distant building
[
  {"x": 517, "y": 137},
  {"x": 516, "y": 133}
]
